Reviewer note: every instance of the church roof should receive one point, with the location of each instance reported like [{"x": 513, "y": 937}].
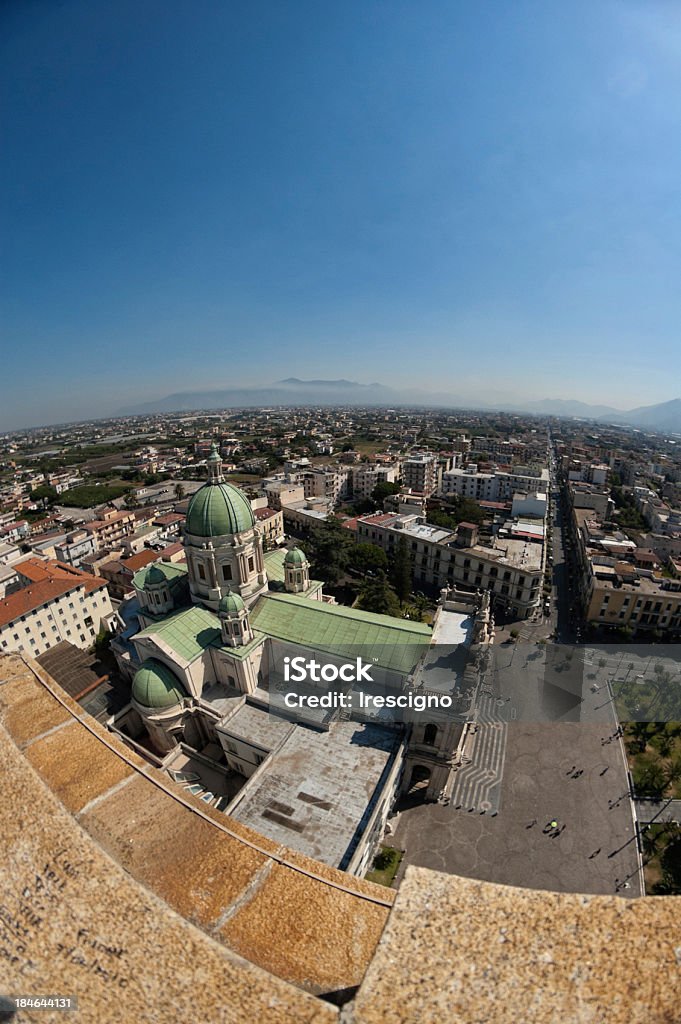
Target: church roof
[
  {"x": 187, "y": 632},
  {"x": 171, "y": 571},
  {"x": 219, "y": 508},
  {"x": 156, "y": 686},
  {"x": 295, "y": 557},
  {"x": 231, "y": 603},
  {"x": 395, "y": 644}
]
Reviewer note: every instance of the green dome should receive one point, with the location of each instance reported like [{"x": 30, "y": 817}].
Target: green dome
[
  {"x": 154, "y": 575},
  {"x": 218, "y": 508},
  {"x": 295, "y": 557},
  {"x": 156, "y": 686},
  {"x": 231, "y": 604}
]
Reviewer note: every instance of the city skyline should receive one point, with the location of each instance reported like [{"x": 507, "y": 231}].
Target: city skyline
[{"x": 441, "y": 199}]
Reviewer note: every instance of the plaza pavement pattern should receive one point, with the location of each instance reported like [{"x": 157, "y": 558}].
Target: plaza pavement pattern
[
  {"x": 477, "y": 783},
  {"x": 570, "y": 771}
]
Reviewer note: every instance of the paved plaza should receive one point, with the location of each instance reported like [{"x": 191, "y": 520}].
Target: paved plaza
[
  {"x": 596, "y": 848},
  {"x": 538, "y": 753}
]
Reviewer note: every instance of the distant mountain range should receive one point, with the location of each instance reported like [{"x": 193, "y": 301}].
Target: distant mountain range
[{"x": 665, "y": 417}]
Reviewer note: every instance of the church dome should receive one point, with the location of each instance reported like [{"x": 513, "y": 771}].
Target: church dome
[
  {"x": 217, "y": 509},
  {"x": 156, "y": 686},
  {"x": 154, "y": 575},
  {"x": 231, "y": 604},
  {"x": 295, "y": 557}
]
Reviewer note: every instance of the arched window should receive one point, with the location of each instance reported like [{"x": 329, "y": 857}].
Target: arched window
[{"x": 430, "y": 735}]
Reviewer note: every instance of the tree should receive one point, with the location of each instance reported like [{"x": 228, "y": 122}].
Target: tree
[
  {"x": 102, "y": 642},
  {"x": 673, "y": 771},
  {"x": 365, "y": 557},
  {"x": 401, "y": 571},
  {"x": 382, "y": 490},
  {"x": 179, "y": 492},
  {"x": 45, "y": 494},
  {"x": 670, "y": 862},
  {"x": 328, "y": 550},
  {"x": 650, "y": 776},
  {"x": 378, "y": 596}
]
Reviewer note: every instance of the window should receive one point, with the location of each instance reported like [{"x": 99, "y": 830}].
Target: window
[
  {"x": 430, "y": 735},
  {"x": 201, "y": 571},
  {"x": 226, "y": 572},
  {"x": 251, "y": 564}
]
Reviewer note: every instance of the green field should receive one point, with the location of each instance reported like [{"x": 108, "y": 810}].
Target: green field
[{"x": 90, "y": 495}]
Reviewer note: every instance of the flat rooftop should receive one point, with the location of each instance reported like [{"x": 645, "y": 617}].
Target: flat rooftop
[
  {"x": 256, "y": 725},
  {"x": 521, "y": 554},
  {"x": 296, "y": 798},
  {"x": 423, "y": 531}
]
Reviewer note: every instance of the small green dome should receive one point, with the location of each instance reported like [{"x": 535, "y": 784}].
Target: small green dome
[
  {"x": 295, "y": 557},
  {"x": 217, "y": 509},
  {"x": 155, "y": 574},
  {"x": 156, "y": 686},
  {"x": 231, "y": 604}
]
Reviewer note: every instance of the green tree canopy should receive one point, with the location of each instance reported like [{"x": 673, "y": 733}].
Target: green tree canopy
[
  {"x": 401, "y": 570},
  {"x": 45, "y": 493},
  {"x": 378, "y": 596},
  {"x": 328, "y": 550},
  {"x": 366, "y": 557},
  {"x": 382, "y": 490}
]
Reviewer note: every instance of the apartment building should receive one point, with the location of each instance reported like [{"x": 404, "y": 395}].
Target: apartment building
[
  {"x": 269, "y": 522},
  {"x": 12, "y": 533},
  {"x": 75, "y": 547},
  {"x": 55, "y": 602},
  {"x": 420, "y": 472},
  {"x": 620, "y": 585},
  {"x": 280, "y": 492},
  {"x": 510, "y": 568},
  {"x": 366, "y": 476},
  {"x": 496, "y": 485},
  {"x": 111, "y": 528}
]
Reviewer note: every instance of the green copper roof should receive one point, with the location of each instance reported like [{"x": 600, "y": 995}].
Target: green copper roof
[
  {"x": 231, "y": 604},
  {"x": 295, "y": 557},
  {"x": 171, "y": 571},
  {"x": 395, "y": 644},
  {"x": 155, "y": 575},
  {"x": 188, "y": 632},
  {"x": 274, "y": 564},
  {"x": 157, "y": 686},
  {"x": 217, "y": 509}
]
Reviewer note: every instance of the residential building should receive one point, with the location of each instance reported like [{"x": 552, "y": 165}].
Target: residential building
[
  {"x": 420, "y": 473},
  {"x": 269, "y": 522},
  {"x": 55, "y": 602},
  {"x": 111, "y": 528},
  {"x": 75, "y": 547},
  {"x": 510, "y": 568},
  {"x": 366, "y": 476},
  {"x": 497, "y": 485}
]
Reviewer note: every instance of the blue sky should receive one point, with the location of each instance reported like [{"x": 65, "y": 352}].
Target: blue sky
[{"x": 476, "y": 196}]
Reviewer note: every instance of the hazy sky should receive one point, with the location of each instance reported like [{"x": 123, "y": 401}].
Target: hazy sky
[{"x": 482, "y": 196}]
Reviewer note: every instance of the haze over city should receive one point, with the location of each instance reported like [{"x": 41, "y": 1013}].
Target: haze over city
[{"x": 481, "y": 201}]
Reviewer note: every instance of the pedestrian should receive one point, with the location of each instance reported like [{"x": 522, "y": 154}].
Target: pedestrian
[
  {"x": 532, "y": 823},
  {"x": 571, "y": 770},
  {"x": 595, "y": 853},
  {"x": 605, "y": 769}
]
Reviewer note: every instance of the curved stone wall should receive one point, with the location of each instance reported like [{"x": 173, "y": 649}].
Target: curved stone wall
[{"x": 153, "y": 908}]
